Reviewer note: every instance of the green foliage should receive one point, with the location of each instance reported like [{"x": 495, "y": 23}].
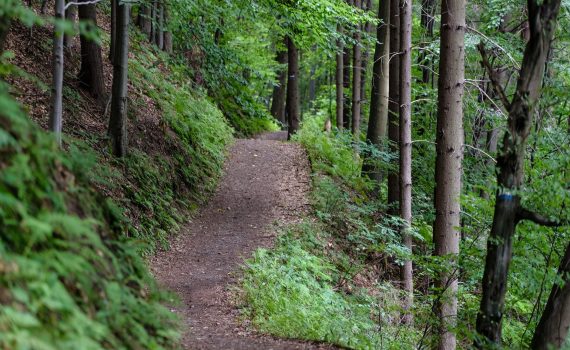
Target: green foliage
[
  {"x": 293, "y": 291},
  {"x": 69, "y": 278}
]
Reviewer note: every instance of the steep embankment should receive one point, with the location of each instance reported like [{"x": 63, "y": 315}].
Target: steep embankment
[{"x": 75, "y": 223}]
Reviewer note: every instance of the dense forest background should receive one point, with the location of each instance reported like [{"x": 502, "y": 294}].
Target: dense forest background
[{"x": 438, "y": 138}]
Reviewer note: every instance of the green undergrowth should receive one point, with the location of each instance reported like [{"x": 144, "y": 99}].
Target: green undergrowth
[
  {"x": 320, "y": 280},
  {"x": 72, "y": 270},
  {"x": 69, "y": 277}
]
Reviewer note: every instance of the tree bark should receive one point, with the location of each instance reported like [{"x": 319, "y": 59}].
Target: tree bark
[
  {"x": 159, "y": 40},
  {"x": 339, "y": 80},
  {"x": 378, "y": 120},
  {"x": 356, "y": 75},
  {"x": 448, "y": 168},
  {"x": 510, "y": 167},
  {"x": 552, "y": 329},
  {"x": 153, "y": 22},
  {"x": 91, "y": 71},
  {"x": 406, "y": 149},
  {"x": 167, "y": 33},
  {"x": 280, "y": 90},
  {"x": 113, "y": 41},
  {"x": 118, "y": 120},
  {"x": 394, "y": 105},
  {"x": 347, "y": 59},
  {"x": 145, "y": 19},
  {"x": 55, "y": 119},
  {"x": 70, "y": 17},
  {"x": 427, "y": 20},
  {"x": 292, "y": 103},
  {"x": 366, "y": 6}
]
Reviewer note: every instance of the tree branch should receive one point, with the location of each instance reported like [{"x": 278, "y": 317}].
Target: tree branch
[
  {"x": 494, "y": 81},
  {"x": 524, "y": 214}
]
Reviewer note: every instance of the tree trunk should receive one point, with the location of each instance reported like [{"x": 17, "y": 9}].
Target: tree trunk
[
  {"x": 366, "y": 6},
  {"x": 167, "y": 34},
  {"x": 552, "y": 329},
  {"x": 55, "y": 118},
  {"x": 113, "y": 41},
  {"x": 118, "y": 120},
  {"x": 406, "y": 148},
  {"x": 159, "y": 40},
  {"x": 347, "y": 59},
  {"x": 378, "y": 120},
  {"x": 394, "y": 104},
  {"x": 427, "y": 20},
  {"x": 449, "y": 157},
  {"x": 292, "y": 103},
  {"x": 356, "y": 75},
  {"x": 145, "y": 19},
  {"x": 91, "y": 72},
  {"x": 339, "y": 78},
  {"x": 70, "y": 17},
  {"x": 510, "y": 169},
  {"x": 280, "y": 90},
  {"x": 153, "y": 22}
]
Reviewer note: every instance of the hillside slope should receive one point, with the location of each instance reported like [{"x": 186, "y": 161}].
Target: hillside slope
[{"x": 76, "y": 223}]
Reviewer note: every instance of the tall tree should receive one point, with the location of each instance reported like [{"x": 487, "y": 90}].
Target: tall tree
[
  {"x": 542, "y": 19},
  {"x": 406, "y": 148},
  {"x": 56, "y": 113},
  {"x": 280, "y": 90},
  {"x": 347, "y": 59},
  {"x": 356, "y": 75},
  {"x": 159, "y": 39},
  {"x": 293, "y": 103},
  {"x": 91, "y": 72},
  {"x": 70, "y": 14},
  {"x": 144, "y": 18},
  {"x": 113, "y": 36},
  {"x": 394, "y": 104},
  {"x": 552, "y": 329},
  {"x": 339, "y": 81},
  {"x": 118, "y": 120},
  {"x": 448, "y": 164},
  {"x": 378, "y": 120},
  {"x": 427, "y": 20}
]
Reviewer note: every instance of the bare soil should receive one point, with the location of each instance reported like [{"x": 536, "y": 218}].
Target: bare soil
[{"x": 266, "y": 183}]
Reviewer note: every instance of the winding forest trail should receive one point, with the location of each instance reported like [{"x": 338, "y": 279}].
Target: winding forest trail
[{"x": 266, "y": 183}]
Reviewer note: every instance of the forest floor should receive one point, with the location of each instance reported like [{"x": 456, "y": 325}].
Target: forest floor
[{"x": 265, "y": 185}]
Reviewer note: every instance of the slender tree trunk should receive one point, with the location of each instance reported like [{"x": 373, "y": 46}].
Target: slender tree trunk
[
  {"x": 118, "y": 120},
  {"x": 449, "y": 157},
  {"x": 70, "y": 17},
  {"x": 56, "y": 115},
  {"x": 356, "y": 75},
  {"x": 153, "y": 22},
  {"x": 145, "y": 19},
  {"x": 91, "y": 72},
  {"x": 167, "y": 34},
  {"x": 378, "y": 120},
  {"x": 406, "y": 148},
  {"x": 347, "y": 59},
  {"x": 552, "y": 329},
  {"x": 280, "y": 90},
  {"x": 427, "y": 20},
  {"x": 292, "y": 104},
  {"x": 160, "y": 26},
  {"x": 113, "y": 42},
  {"x": 339, "y": 77},
  {"x": 366, "y": 5},
  {"x": 394, "y": 104},
  {"x": 510, "y": 169}
]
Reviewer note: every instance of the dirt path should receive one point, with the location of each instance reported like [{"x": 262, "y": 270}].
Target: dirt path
[{"x": 266, "y": 182}]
